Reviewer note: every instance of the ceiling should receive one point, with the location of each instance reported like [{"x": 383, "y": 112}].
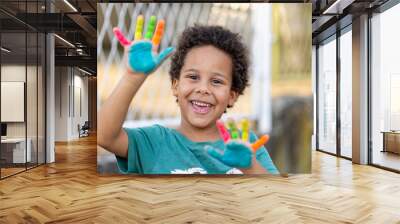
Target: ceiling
[
  {"x": 330, "y": 15},
  {"x": 76, "y": 21},
  {"x": 72, "y": 20}
]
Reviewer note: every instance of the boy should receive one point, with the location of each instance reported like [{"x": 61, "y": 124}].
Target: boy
[{"x": 208, "y": 73}]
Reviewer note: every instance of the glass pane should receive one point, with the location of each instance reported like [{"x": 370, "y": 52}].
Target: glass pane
[
  {"x": 345, "y": 94},
  {"x": 327, "y": 97},
  {"x": 41, "y": 99},
  {"x": 13, "y": 87},
  {"x": 313, "y": 75},
  {"x": 386, "y": 89},
  {"x": 32, "y": 85},
  {"x": 31, "y": 98},
  {"x": 23, "y": 81}
]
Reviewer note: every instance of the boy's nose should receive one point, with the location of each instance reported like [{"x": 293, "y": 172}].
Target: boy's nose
[{"x": 203, "y": 90}]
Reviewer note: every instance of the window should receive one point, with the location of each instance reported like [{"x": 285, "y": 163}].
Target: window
[
  {"x": 327, "y": 96},
  {"x": 385, "y": 89},
  {"x": 346, "y": 94}
]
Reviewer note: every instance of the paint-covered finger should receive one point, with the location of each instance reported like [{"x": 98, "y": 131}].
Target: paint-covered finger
[
  {"x": 260, "y": 142},
  {"x": 165, "y": 54},
  {"x": 150, "y": 28},
  {"x": 120, "y": 37},
  {"x": 222, "y": 131},
  {"x": 139, "y": 27},
  {"x": 245, "y": 130},
  {"x": 158, "y": 33},
  {"x": 233, "y": 129}
]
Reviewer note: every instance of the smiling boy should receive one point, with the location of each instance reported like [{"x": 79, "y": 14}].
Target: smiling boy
[{"x": 209, "y": 70}]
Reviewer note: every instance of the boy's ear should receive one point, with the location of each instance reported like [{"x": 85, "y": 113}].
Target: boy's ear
[
  {"x": 233, "y": 96},
  {"x": 175, "y": 87}
]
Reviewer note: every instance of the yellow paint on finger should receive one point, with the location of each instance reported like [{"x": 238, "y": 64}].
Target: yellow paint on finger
[
  {"x": 139, "y": 27},
  {"x": 245, "y": 130}
]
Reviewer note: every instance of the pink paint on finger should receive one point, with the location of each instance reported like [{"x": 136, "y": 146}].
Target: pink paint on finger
[
  {"x": 222, "y": 131},
  {"x": 121, "y": 38}
]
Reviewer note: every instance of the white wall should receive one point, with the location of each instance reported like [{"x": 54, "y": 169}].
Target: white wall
[
  {"x": 33, "y": 126},
  {"x": 80, "y": 100},
  {"x": 61, "y": 103},
  {"x": 14, "y": 73},
  {"x": 71, "y": 93}
]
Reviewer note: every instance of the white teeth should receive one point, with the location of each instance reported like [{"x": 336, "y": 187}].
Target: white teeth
[{"x": 201, "y": 104}]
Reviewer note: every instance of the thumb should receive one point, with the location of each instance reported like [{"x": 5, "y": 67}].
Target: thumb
[
  {"x": 214, "y": 152},
  {"x": 164, "y": 55}
]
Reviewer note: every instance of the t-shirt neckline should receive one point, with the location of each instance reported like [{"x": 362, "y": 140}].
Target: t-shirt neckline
[{"x": 192, "y": 142}]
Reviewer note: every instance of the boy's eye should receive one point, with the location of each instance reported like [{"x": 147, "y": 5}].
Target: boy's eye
[
  {"x": 217, "y": 81},
  {"x": 192, "y": 76}
]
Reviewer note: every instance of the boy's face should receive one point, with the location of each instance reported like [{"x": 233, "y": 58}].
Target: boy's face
[{"x": 204, "y": 86}]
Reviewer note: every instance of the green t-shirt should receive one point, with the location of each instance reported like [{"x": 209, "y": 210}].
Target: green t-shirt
[{"x": 161, "y": 150}]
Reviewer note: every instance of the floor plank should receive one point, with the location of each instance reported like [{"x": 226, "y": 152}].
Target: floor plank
[{"x": 71, "y": 191}]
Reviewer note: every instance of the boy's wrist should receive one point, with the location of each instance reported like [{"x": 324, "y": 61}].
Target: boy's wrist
[
  {"x": 255, "y": 167},
  {"x": 130, "y": 72},
  {"x": 133, "y": 77}
]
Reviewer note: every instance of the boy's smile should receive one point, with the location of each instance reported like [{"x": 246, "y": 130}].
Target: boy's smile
[
  {"x": 201, "y": 107},
  {"x": 204, "y": 86}
]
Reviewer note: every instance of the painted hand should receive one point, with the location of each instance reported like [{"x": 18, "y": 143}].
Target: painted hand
[
  {"x": 239, "y": 152},
  {"x": 142, "y": 53}
]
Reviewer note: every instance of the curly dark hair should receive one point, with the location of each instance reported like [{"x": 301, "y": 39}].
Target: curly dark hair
[{"x": 221, "y": 38}]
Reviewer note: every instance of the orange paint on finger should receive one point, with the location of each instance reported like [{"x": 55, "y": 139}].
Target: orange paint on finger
[
  {"x": 158, "y": 33},
  {"x": 260, "y": 142}
]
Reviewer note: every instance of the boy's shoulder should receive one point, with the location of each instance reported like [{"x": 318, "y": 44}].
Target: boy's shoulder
[{"x": 155, "y": 129}]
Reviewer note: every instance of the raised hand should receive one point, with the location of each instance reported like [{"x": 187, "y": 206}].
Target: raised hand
[
  {"x": 142, "y": 53},
  {"x": 239, "y": 152}
]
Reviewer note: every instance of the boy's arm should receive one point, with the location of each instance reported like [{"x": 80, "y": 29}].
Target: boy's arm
[
  {"x": 111, "y": 135},
  {"x": 142, "y": 59}
]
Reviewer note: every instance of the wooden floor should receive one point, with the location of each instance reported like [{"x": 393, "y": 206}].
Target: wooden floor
[
  {"x": 388, "y": 159},
  {"x": 70, "y": 191},
  {"x": 10, "y": 171}
]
